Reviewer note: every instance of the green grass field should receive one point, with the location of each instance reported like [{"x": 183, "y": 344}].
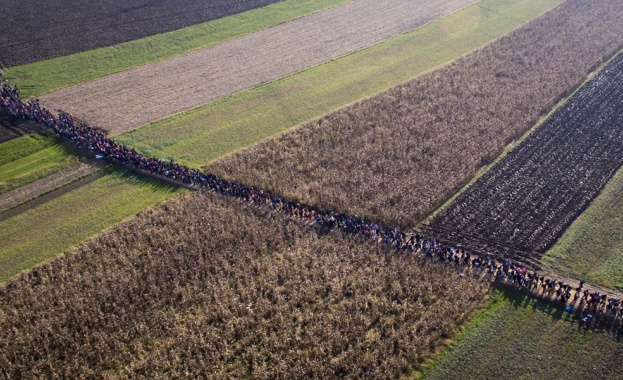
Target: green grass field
[
  {"x": 40, "y": 77},
  {"x": 519, "y": 337},
  {"x": 23, "y": 146},
  {"x": 592, "y": 247},
  {"x": 203, "y": 134},
  {"x": 42, "y": 232},
  {"x": 29, "y": 158}
]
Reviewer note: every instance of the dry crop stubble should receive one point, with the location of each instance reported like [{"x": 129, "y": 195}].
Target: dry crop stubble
[
  {"x": 205, "y": 284},
  {"x": 528, "y": 199},
  {"x": 133, "y": 98},
  {"x": 397, "y": 156}
]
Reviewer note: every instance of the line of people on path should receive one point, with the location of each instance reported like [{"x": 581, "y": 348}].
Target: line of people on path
[{"x": 92, "y": 139}]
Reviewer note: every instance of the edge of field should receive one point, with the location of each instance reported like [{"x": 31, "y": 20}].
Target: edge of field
[
  {"x": 40, "y": 77},
  {"x": 515, "y": 143},
  {"x": 27, "y": 159},
  {"x": 518, "y": 335},
  {"x": 203, "y": 134},
  {"x": 592, "y": 247},
  {"x": 45, "y": 231},
  {"x": 594, "y": 234}
]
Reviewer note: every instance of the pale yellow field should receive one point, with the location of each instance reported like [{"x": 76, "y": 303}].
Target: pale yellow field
[{"x": 130, "y": 99}]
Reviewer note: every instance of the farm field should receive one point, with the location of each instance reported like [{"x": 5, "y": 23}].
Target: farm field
[
  {"x": 203, "y": 284},
  {"x": 43, "y": 76},
  {"x": 206, "y": 133},
  {"x": 517, "y": 337},
  {"x": 592, "y": 247},
  {"x": 41, "y": 233},
  {"x": 44, "y": 185},
  {"x": 530, "y": 197},
  {"x": 71, "y": 26},
  {"x": 398, "y": 155},
  {"x": 29, "y": 158},
  {"x": 132, "y": 98},
  {"x": 200, "y": 284},
  {"x": 7, "y": 133}
]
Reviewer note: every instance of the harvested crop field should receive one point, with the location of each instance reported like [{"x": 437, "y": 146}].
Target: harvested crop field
[
  {"x": 206, "y": 133},
  {"x": 133, "y": 98},
  {"x": 397, "y": 156},
  {"x": 592, "y": 247},
  {"x": 40, "y": 233},
  {"x": 38, "y": 30},
  {"x": 203, "y": 285},
  {"x": 527, "y": 200},
  {"x": 44, "y": 76}
]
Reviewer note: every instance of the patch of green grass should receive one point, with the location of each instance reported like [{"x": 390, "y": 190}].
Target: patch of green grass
[
  {"x": 43, "y": 232},
  {"x": 592, "y": 247},
  {"x": 35, "y": 166},
  {"x": 40, "y": 77},
  {"x": 519, "y": 337},
  {"x": 206, "y": 133},
  {"x": 23, "y": 146}
]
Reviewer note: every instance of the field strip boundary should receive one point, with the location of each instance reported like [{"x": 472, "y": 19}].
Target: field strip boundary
[
  {"x": 41, "y": 77},
  {"x": 148, "y": 138}
]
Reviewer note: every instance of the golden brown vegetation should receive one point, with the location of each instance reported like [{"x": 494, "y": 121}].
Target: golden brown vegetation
[
  {"x": 205, "y": 285},
  {"x": 397, "y": 156}
]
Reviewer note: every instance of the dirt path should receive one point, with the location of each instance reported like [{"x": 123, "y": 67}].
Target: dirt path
[
  {"x": 128, "y": 100},
  {"x": 51, "y": 195},
  {"x": 45, "y": 185}
]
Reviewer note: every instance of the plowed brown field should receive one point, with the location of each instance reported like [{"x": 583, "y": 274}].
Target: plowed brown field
[
  {"x": 397, "y": 156},
  {"x": 133, "y": 98},
  {"x": 38, "y": 30}
]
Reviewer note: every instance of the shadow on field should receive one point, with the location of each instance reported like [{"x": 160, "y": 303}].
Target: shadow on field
[{"x": 600, "y": 323}]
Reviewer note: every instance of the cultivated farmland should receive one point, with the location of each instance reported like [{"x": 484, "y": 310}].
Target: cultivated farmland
[
  {"x": 44, "y": 185},
  {"x": 42, "y": 232},
  {"x": 516, "y": 337},
  {"x": 592, "y": 247},
  {"x": 397, "y": 156},
  {"x": 207, "y": 285},
  {"x": 206, "y": 133},
  {"x": 531, "y": 196},
  {"x": 133, "y": 98},
  {"x": 44, "y": 76},
  {"x": 7, "y": 132},
  {"x": 29, "y": 158},
  {"x": 38, "y": 30}
]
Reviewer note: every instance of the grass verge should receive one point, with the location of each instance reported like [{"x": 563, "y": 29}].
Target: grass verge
[
  {"x": 24, "y": 146},
  {"x": 203, "y": 134},
  {"x": 30, "y": 158},
  {"x": 518, "y": 337},
  {"x": 40, "y": 77},
  {"x": 592, "y": 247},
  {"x": 41, "y": 233}
]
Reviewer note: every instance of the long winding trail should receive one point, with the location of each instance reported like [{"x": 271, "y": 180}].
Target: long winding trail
[{"x": 121, "y": 102}]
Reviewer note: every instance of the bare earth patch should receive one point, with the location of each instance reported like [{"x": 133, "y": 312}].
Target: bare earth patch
[
  {"x": 33, "y": 190},
  {"x": 130, "y": 99}
]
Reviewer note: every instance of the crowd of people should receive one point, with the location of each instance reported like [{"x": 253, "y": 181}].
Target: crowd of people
[{"x": 506, "y": 271}]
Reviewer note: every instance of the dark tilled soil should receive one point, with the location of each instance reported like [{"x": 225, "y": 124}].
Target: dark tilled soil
[
  {"x": 9, "y": 128},
  {"x": 7, "y": 133},
  {"x": 39, "y": 30},
  {"x": 526, "y": 202}
]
